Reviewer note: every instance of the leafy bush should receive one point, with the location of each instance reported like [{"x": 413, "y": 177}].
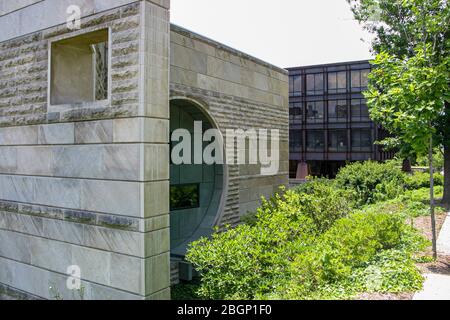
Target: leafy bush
[
  {"x": 420, "y": 180},
  {"x": 185, "y": 291},
  {"x": 371, "y": 181},
  {"x": 249, "y": 260},
  {"x": 309, "y": 243},
  {"x": 340, "y": 263}
]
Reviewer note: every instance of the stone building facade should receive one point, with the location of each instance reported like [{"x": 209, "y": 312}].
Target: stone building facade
[{"x": 85, "y": 173}]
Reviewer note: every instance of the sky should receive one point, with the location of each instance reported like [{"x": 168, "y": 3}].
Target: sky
[{"x": 286, "y": 33}]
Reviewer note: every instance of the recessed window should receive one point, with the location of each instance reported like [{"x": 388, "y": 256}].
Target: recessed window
[
  {"x": 185, "y": 196},
  {"x": 79, "y": 68}
]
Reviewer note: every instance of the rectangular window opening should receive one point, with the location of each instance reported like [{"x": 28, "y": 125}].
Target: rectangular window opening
[
  {"x": 80, "y": 68},
  {"x": 185, "y": 196}
]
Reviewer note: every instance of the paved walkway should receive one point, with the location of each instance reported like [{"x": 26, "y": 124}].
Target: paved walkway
[
  {"x": 443, "y": 243},
  {"x": 437, "y": 286}
]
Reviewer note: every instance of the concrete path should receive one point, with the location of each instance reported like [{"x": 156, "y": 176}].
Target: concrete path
[
  {"x": 443, "y": 243},
  {"x": 437, "y": 286}
]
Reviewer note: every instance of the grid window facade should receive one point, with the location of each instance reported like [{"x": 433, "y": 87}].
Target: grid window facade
[{"x": 329, "y": 118}]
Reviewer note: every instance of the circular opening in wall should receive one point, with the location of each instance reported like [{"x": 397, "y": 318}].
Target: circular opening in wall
[{"x": 196, "y": 190}]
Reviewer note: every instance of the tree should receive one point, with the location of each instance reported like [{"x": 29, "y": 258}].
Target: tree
[
  {"x": 409, "y": 86},
  {"x": 408, "y": 96},
  {"x": 401, "y": 27}
]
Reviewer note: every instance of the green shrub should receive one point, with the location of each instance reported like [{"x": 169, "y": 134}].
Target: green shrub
[
  {"x": 420, "y": 180},
  {"x": 322, "y": 202},
  {"x": 250, "y": 260},
  {"x": 185, "y": 291},
  {"x": 371, "y": 181},
  {"x": 333, "y": 266},
  {"x": 309, "y": 243}
]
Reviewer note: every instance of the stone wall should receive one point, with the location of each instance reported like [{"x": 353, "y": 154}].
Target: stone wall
[
  {"x": 87, "y": 184},
  {"x": 74, "y": 189},
  {"x": 238, "y": 92}
]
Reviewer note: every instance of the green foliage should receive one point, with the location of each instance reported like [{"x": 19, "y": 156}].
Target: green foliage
[
  {"x": 185, "y": 291},
  {"x": 371, "y": 181},
  {"x": 422, "y": 195},
  {"x": 438, "y": 160},
  {"x": 399, "y": 25},
  {"x": 310, "y": 243},
  {"x": 249, "y": 260},
  {"x": 408, "y": 87},
  {"x": 411, "y": 204},
  {"x": 408, "y": 95},
  {"x": 343, "y": 261},
  {"x": 390, "y": 271},
  {"x": 420, "y": 180}
]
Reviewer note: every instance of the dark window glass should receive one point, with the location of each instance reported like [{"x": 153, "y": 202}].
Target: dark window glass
[
  {"x": 337, "y": 110},
  {"x": 315, "y": 112},
  {"x": 359, "y": 80},
  {"x": 365, "y": 78},
  {"x": 314, "y": 84},
  {"x": 360, "y": 112},
  {"x": 295, "y": 86},
  {"x": 296, "y": 113},
  {"x": 337, "y": 82},
  {"x": 337, "y": 141},
  {"x": 316, "y": 141},
  {"x": 295, "y": 141},
  {"x": 362, "y": 140},
  {"x": 184, "y": 196}
]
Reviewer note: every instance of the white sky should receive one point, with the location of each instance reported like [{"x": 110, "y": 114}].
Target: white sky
[{"x": 286, "y": 33}]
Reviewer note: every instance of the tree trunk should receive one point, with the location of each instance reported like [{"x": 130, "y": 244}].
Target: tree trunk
[
  {"x": 432, "y": 204},
  {"x": 446, "y": 198},
  {"x": 406, "y": 166}
]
